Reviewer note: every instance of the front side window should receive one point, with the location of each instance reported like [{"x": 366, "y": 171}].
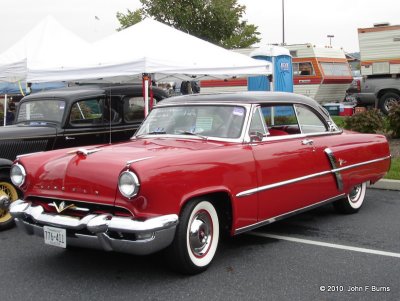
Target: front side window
[
  {"x": 280, "y": 120},
  {"x": 291, "y": 119},
  {"x": 94, "y": 111},
  {"x": 220, "y": 121},
  {"x": 41, "y": 110},
  {"x": 279, "y": 115},
  {"x": 86, "y": 112}
]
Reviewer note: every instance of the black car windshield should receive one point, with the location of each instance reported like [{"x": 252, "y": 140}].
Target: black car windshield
[
  {"x": 220, "y": 121},
  {"x": 41, "y": 110}
]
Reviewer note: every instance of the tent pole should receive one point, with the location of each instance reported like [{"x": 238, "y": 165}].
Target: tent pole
[
  {"x": 146, "y": 79},
  {"x": 5, "y": 110}
]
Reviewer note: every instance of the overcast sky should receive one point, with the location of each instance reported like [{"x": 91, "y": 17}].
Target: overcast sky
[{"x": 306, "y": 21}]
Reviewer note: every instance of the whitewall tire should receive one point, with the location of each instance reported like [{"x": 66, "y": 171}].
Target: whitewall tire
[
  {"x": 353, "y": 201},
  {"x": 196, "y": 238}
]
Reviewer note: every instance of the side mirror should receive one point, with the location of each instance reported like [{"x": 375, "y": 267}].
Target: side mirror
[{"x": 256, "y": 136}]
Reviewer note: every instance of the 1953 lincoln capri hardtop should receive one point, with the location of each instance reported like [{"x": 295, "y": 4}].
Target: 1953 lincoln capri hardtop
[{"x": 199, "y": 165}]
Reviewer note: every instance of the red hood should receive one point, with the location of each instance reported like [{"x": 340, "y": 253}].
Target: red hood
[{"x": 67, "y": 174}]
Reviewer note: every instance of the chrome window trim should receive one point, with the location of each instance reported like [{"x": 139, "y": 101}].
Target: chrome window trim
[
  {"x": 286, "y": 215},
  {"x": 301, "y": 135},
  {"x": 243, "y": 136},
  {"x": 299, "y": 179},
  {"x": 293, "y": 136}
]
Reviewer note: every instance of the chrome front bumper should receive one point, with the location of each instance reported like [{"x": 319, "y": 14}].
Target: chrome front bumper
[{"x": 94, "y": 231}]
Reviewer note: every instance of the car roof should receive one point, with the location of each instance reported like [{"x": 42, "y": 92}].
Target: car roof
[
  {"x": 91, "y": 90},
  {"x": 250, "y": 97}
]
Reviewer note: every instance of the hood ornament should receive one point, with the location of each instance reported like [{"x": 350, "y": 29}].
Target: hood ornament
[
  {"x": 62, "y": 207},
  {"x": 83, "y": 151}
]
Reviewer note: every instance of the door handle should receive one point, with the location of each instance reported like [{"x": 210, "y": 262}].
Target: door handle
[
  {"x": 307, "y": 142},
  {"x": 69, "y": 138}
]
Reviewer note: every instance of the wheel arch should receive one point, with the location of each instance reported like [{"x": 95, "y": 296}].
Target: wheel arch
[
  {"x": 5, "y": 166},
  {"x": 387, "y": 90},
  {"x": 222, "y": 201}
]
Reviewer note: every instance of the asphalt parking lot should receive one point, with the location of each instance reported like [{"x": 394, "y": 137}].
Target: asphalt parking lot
[{"x": 318, "y": 255}]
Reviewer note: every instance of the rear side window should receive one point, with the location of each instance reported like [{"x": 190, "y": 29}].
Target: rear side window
[
  {"x": 133, "y": 109},
  {"x": 309, "y": 122}
]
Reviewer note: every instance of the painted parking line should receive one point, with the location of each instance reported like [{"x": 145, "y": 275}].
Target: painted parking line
[{"x": 325, "y": 244}]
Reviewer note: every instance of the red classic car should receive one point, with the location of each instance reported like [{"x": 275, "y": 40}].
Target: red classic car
[{"x": 199, "y": 165}]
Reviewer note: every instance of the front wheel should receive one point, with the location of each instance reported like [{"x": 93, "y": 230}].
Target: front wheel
[
  {"x": 387, "y": 101},
  {"x": 353, "y": 201},
  {"x": 196, "y": 238},
  {"x": 9, "y": 191}
]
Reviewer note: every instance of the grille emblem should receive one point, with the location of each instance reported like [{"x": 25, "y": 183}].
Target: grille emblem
[{"x": 62, "y": 207}]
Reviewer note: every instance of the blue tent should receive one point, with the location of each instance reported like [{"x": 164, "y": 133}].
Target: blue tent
[{"x": 13, "y": 88}]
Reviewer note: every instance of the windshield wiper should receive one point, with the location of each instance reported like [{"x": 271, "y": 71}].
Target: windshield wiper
[
  {"x": 193, "y": 134},
  {"x": 151, "y": 133},
  {"x": 155, "y": 133}
]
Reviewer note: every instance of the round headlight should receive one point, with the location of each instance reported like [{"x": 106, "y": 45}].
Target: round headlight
[
  {"x": 17, "y": 175},
  {"x": 128, "y": 184}
]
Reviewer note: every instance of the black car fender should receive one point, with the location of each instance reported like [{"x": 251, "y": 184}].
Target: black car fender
[{"x": 5, "y": 166}]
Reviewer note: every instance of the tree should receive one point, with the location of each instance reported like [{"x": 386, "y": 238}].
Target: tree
[
  {"x": 217, "y": 21},
  {"x": 129, "y": 19}
]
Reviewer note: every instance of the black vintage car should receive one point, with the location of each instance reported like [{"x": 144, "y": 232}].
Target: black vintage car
[{"x": 68, "y": 117}]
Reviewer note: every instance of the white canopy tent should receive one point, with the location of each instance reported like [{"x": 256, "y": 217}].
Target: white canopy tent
[
  {"x": 147, "y": 47},
  {"x": 47, "y": 42}
]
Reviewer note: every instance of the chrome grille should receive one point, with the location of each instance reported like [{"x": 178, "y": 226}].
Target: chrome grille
[
  {"x": 80, "y": 208},
  {"x": 10, "y": 149}
]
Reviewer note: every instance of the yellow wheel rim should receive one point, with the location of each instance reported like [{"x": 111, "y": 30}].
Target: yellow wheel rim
[{"x": 8, "y": 190}]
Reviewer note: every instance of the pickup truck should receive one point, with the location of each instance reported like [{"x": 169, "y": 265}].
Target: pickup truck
[{"x": 380, "y": 91}]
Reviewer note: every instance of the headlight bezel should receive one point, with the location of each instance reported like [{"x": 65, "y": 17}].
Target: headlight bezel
[
  {"x": 134, "y": 182},
  {"x": 22, "y": 172}
]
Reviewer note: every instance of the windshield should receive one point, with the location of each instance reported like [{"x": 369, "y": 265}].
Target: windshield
[
  {"x": 221, "y": 121},
  {"x": 41, "y": 110}
]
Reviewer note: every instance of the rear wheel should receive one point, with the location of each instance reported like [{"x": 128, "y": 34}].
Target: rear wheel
[
  {"x": 353, "y": 201},
  {"x": 196, "y": 238},
  {"x": 9, "y": 191},
  {"x": 387, "y": 101}
]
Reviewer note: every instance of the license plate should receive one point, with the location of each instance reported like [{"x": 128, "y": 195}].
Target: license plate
[{"x": 55, "y": 236}]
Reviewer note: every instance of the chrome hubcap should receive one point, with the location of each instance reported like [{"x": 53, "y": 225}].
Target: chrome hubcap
[
  {"x": 390, "y": 102},
  {"x": 8, "y": 194},
  {"x": 4, "y": 202},
  {"x": 200, "y": 234},
  {"x": 354, "y": 195}
]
